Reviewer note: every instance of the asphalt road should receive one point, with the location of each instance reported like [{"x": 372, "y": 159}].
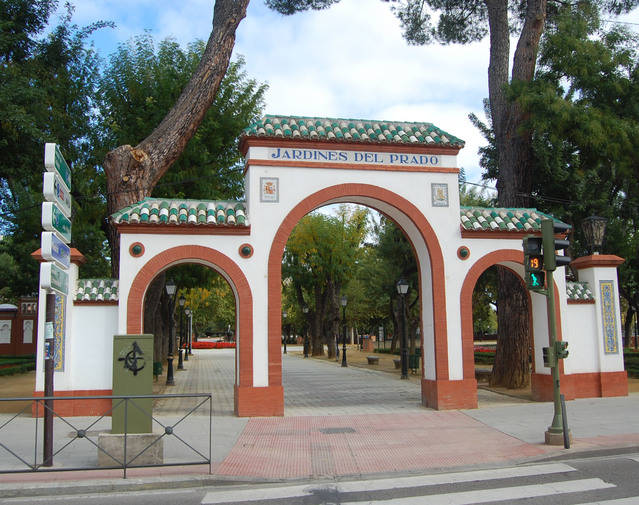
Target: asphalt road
[{"x": 603, "y": 480}]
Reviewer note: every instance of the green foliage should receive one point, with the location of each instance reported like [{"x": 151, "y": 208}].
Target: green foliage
[
  {"x": 485, "y": 303},
  {"x": 54, "y": 88},
  {"x": 319, "y": 263},
  {"x": 288, "y": 7},
  {"x": 583, "y": 109},
  {"x": 208, "y": 295},
  {"x": 140, "y": 85},
  {"x": 485, "y": 357},
  {"x": 11, "y": 365},
  {"x": 631, "y": 362},
  {"x": 47, "y": 90}
]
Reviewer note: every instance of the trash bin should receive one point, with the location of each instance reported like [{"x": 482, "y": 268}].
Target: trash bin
[{"x": 413, "y": 360}]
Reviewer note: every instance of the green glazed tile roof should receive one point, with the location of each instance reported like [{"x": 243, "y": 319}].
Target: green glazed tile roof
[
  {"x": 491, "y": 219},
  {"x": 578, "y": 291},
  {"x": 188, "y": 212},
  {"x": 352, "y": 131},
  {"x": 97, "y": 290}
]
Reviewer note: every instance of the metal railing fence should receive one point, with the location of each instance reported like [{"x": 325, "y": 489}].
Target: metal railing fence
[{"x": 177, "y": 437}]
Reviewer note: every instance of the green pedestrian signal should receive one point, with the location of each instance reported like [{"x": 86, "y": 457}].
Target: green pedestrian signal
[
  {"x": 536, "y": 280},
  {"x": 535, "y": 276}
]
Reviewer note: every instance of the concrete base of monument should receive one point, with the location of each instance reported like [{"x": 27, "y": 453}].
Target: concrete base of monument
[
  {"x": 556, "y": 438},
  {"x": 141, "y": 449}
]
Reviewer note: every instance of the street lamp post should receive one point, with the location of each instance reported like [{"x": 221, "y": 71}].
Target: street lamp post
[
  {"x": 170, "y": 290},
  {"x": 284, "y": 317},
  {"x": 305, "y": 310},
  {"x": 190, "y": 332},
  {"x": 402, "y": 289},
  {"x": 181, "y": 301},
  {"x": 187, "y": 311},
  {"x": 594, "y": 228},
  {"x": 344, "y": 301}
]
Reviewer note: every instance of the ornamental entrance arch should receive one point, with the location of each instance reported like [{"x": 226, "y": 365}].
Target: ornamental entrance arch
[
  {"x": 407, "y": 171},
  {"x": 430, "y": 267}
]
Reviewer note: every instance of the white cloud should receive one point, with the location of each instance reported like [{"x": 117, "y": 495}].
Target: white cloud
[{"x": 346, "y": 61}]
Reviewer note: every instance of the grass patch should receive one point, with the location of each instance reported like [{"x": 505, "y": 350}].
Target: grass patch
[
  {"x": 631, "y": 362},
  {"x": 11, "y": 365}
]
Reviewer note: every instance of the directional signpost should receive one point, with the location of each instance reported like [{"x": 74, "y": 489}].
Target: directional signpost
[
  {"x": 56, "y": 191},
  {"x": 56, "y": 221},
  {"x": 54, "y": 162},
  {"x": 54, "y": 249},
  {"x": 53, "y": 278},
  {"x": 53, "y": 219}
]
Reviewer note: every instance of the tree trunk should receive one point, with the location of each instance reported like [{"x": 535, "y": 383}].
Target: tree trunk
[
  {"x": 511, "y": 368},
  {"x": 627, "y": 326},
  {"x": 515, "y": 161},
  {"x": 133, "y": 172},
  {"x": 155, "y": 319}
]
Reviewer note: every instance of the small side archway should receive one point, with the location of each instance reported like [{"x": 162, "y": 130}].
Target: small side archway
[
  {"x": 229, "y": 270},
  {"x": 500, "y": 257}
]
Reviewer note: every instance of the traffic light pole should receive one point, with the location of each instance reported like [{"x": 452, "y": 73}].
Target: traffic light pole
[
  {"x": 555, "y": 430},
  {"x": 555, "y": 433}
]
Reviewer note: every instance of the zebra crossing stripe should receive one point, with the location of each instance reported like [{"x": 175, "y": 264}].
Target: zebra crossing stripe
[
  {"x": 619, "y": 501},
  {"x": 495, "y": 495},
  {"x": 275, "y": 493}
]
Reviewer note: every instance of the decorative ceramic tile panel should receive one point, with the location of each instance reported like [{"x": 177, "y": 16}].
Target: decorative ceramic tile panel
[
  {"x": 578, "y": 291},
  {"x": 97, "y": 290},
  {"x": 59, "y": 332},
  {"x": 157, "y": 211},
  {"x": 360, "y": 131},
  {"x": 609, "y": 317},
  {"x": 502, "y": 219}
]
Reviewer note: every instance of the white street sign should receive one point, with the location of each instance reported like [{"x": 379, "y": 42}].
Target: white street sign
[
  {"x": 54, "y": 162},
  {"x": 54, "y": 278},
  {"x": 53, "y": 249},
  {"x": 53, "y": 219},
  {"x": 55, "y": 191}
]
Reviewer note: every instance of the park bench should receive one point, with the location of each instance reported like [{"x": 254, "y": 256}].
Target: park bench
[{"x": 373, "y": 360}]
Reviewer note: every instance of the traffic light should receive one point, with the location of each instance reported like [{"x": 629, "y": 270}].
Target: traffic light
[
  {"x": 550, "y": 357},
  {"x": 561, "y": 349},
  {"x": 535, "y": 276},
  {"x": 550, "y": 244}
]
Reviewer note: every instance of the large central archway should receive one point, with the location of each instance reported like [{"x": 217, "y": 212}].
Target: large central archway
[{"x": 430, "y": 262}]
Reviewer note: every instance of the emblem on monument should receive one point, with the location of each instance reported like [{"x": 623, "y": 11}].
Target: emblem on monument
[{"x": 134, "y": 360}]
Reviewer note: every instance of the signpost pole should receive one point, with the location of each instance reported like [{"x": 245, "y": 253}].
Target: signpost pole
[
  {"x": 47, "y": 458},
  {"x": 56, "y": 219}
]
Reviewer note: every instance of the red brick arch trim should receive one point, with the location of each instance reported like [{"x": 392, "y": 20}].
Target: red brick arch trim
[
  {"x": 466, "y": 302},
  {"x": 217, "y": 260},
  {"x": 354, "y": 191}
]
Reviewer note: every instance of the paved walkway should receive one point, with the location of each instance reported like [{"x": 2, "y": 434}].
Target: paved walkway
[{"x": 349, "y": 422}]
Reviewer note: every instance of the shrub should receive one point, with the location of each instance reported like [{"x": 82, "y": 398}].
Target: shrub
[{"x": 213, "y": 345}]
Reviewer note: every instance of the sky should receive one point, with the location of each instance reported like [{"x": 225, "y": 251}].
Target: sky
[{"x": 349, "y": 61}]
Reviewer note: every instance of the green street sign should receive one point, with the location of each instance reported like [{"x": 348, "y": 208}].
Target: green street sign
[
  {"x": 53, "y": 219},
  {"x": 54, "y": 162},
  {"x": 54, "y": 278}
]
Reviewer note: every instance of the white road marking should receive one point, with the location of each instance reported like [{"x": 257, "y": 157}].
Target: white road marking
[
  {"x": 633, "y": 500},
  {"x": 275, "y": 493},
  {"x": 498, "y": 494}
]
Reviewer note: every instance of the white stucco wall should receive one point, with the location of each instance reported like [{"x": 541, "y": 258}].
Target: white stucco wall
[
  {"x": 88, "y": 345},
  {"x": 608, "y": 362},
  {"x": 296, "y": 182},
  {"x": 583, "y": 355}
]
